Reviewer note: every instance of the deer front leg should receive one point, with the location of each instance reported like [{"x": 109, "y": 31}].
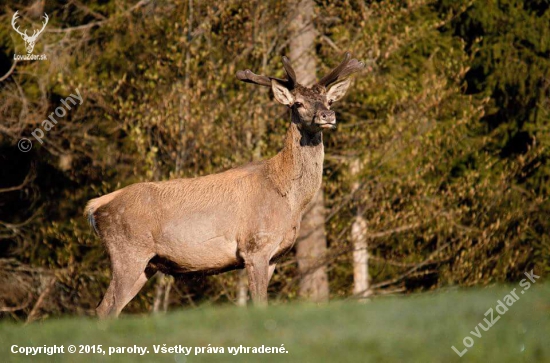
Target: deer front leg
[
  {"x": 256, "y": 254},
  {"x": 257, "y": 269}
]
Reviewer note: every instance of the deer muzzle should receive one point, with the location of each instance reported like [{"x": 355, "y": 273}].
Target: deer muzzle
[{"x": 326, "y": 119}]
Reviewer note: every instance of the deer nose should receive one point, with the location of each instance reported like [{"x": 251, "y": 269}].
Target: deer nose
[{"x": 327, "y": 116}]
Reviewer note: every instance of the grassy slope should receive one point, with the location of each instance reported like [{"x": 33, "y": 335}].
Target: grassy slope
[{"x": 418, "y": 328}]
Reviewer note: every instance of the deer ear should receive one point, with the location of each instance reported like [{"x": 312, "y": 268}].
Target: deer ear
[
  {"x": 338, "y": 90},
  {"x": 281, "y": 93}
]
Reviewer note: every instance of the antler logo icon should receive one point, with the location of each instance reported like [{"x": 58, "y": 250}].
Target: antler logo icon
[{"x": 29, "y": 40}]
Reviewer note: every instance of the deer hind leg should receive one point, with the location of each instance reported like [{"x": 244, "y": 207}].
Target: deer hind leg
[
  {"x": 128, "y": 277},
  {"x": 104, "y": 307},
  {"x": 271, "y": 271}
]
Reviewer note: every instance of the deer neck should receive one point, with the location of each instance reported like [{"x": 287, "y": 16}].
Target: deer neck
[{"x": 297, "y": 169}]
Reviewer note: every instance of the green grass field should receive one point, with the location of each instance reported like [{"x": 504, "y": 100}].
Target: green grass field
[{"x": 417, "y": 328}]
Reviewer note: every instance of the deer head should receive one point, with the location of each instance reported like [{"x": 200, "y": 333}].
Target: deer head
[
  {"x": 29, "y": 40},
  {"x": 310, "y": 106}
]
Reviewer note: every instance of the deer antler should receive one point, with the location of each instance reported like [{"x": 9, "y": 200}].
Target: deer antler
[
  {"x": 250, "y": 77},
  {"x": 35, "y": 32},
  {"x": 344, "y": 69},
  {"x": 43, "y": 25},
  {"x": 291, "y": 75},
  {"x": 13, "y": 19}
]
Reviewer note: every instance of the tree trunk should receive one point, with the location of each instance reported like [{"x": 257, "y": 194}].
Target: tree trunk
[
  {"x": 311, "y": 249},
  {"x": 163, "y": 285},
  {"x": 242, "y": 288},
  {"x": 359, "y": 239},
  {"x": 360, "y": 257},
  {"x": 311, "y": 244}
]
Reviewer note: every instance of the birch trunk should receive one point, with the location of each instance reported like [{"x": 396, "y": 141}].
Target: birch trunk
[{"x": 361, "y": 277}]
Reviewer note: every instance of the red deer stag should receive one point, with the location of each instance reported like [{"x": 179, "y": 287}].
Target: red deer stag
[{"x": 244, "y": 217}]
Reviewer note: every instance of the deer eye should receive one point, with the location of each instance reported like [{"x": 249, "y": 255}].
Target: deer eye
[
  {"x": 298, "y": 104},
  {"x": 330, "y": 102}
]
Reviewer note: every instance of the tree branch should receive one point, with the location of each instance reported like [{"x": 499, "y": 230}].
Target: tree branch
[
  {"x": 9, "y": 72},
  {"x": 31, "y": 317},
  {"x": 101, "y": 22}
]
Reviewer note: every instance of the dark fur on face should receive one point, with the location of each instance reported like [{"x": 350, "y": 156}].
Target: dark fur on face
[{"x": 311, "y": 109}]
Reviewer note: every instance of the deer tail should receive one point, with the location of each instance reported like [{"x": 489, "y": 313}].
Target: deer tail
[{"x": 94, "y": 204}]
